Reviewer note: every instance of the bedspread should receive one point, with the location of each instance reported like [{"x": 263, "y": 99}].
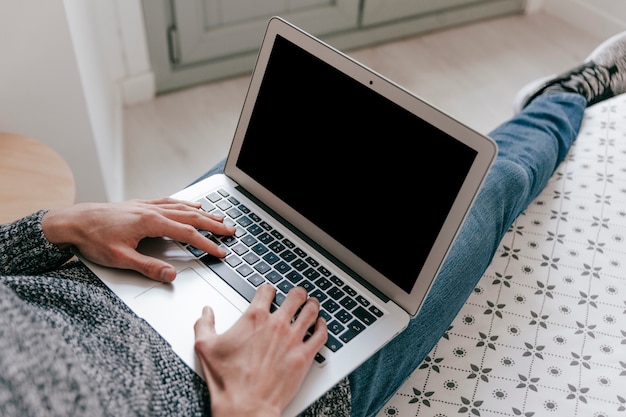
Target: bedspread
[{"x": 544, "y": 332}]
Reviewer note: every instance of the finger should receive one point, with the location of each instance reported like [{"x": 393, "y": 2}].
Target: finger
[
  {"x": 170, "y": 201},
  {"x": 186, "y": 233},
  {"x": 200, "y": 220},
  {"x": 319, "y": 336},
  {"x": 263, "y": 297},
  {"x": 307, "y": 315},
  {"x": 153, "y": 268},
  {"x": 182, "y": 206},
  {"x": 205, "y": 325},
  {"x": 292, "y": 303}
]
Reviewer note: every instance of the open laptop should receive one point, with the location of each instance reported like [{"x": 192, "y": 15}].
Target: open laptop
[{"x": 339, "y": 181}]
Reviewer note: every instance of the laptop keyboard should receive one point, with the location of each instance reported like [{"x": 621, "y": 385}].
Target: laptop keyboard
[{"x": 258, "y": 253}]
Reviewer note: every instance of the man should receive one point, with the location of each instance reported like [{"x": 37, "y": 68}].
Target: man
[{"x": 69, "y": 346}]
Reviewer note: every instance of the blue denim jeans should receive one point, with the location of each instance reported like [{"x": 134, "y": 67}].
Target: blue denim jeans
[{"x": 530, "y": 147}]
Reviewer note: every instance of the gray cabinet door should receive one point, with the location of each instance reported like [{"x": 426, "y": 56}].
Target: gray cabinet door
[
  {"x": 211, "y": 29},
  {"x": 193, "y": 41},
  {"x": 196, "y": 41}
]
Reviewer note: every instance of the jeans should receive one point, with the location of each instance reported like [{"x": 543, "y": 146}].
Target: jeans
[{"x": 530, "y": 147}]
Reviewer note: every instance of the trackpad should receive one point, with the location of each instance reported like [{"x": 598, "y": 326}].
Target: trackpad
[{"x": 173, "y": 308}]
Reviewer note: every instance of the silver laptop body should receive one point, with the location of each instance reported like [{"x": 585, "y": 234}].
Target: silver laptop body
[{"x": 338, "y": 180}]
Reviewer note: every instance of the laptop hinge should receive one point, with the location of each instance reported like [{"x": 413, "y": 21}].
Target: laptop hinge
[{"x": 316, "y": 246}]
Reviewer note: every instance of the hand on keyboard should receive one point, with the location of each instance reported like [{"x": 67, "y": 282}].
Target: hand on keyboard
[
  {"x": 108, "y": 233},
  {"x": 257, "y": 366}
]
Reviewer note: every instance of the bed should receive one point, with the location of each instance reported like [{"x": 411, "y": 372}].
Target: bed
[{"x": 544, "y": 332}]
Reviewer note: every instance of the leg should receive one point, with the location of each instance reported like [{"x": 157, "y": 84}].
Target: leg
[{"x": 531, "y": 145}]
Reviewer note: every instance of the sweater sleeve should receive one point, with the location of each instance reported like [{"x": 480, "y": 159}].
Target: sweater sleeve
[{"x": 24, "y": 248}]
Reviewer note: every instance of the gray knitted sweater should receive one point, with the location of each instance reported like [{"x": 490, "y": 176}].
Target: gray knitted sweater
[{"x": 70, "y": 347}]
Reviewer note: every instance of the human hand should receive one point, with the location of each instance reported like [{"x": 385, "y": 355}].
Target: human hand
[
  {"x": 109, "y": 233},
  {"x": 257, "y": 366}
]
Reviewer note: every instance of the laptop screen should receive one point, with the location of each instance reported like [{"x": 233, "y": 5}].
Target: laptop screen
[{"x": 369, "y": 173}]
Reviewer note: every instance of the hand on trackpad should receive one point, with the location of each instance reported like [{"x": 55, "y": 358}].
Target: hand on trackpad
[{"x": 173, "y": 308}]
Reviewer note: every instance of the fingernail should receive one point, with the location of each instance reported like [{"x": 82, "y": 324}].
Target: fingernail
[{"x": 168, "y": 274}]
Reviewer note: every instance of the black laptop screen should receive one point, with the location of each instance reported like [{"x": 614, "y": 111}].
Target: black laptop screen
[{"x": 344, "y": 156}]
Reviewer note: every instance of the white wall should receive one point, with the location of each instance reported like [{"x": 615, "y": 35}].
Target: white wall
[
  {"x": 68, "y": 67},
  {"x": 43, "y": 94}
]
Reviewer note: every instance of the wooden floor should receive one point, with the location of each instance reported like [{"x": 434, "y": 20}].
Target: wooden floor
[{"x": 471, "y": 72}]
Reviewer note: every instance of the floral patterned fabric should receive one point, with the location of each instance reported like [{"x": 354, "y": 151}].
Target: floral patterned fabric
[{"x": 544, "y": 333}]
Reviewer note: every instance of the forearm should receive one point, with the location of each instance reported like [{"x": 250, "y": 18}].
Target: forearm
[{"x": 24, "y": 248}]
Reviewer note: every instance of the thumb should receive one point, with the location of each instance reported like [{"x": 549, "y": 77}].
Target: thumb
[{"x": 153, "y": 268}]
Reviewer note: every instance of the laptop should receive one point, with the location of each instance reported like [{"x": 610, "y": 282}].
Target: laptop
[{"x": 338, "y": 180}]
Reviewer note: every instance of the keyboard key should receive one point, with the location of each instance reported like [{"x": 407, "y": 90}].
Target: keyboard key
[
  {"x": 271, "y": 258},
  {"x": 251, "y": 258},
  {"x": 336, "y": 280},
  {"x": 234, "y": 213},
  {"x": 330, "y": 306},
  {"x": 324, "y": 271},
  {"x": 307, "y": 285},
  {"x": 245, "y": 221},
  {"x": 273, "y": 277},
  {"x": 343, "y": 316},
  {"x": 376, "y": 311},
  {"x": 348, "y": 303},
  {"x": 311, "y": 273},
  {"x": 282, "y": 267},
  {"x": 223, "y": 205},
  {"x": 336, "y": 293},
  {"x": 256, "y": 279},
  {"x": 319, "y": 294},
  {"x": 363, "y": 315},
  {"x": 277, "y": 247},
  {"x": 266, "y": 238},
  {"x": 284, "y": 286},
  {"x": 349, "y": 290},
  {"x": 277, "y": 234},
  {"x": 299, "y": 264},
  {"x": 354, "y": 328},
  {"x": 233, "y": 261},
  {"x": 335, "y": 327},
  {"x": 249, "y": 240},
  {"x": 323, "y": 283},
  {"x": 213, "y": 197},
  {"x": 259, "y": 249},
  {"x": 312, "y": 262},
  {"x": 255, "y": 229},
  {"x": 333, "y": 344},
  {"x": 262, "y": 267},
  {"x": 288, "y": 255},
  {"x": 362, "y": 300},
  {"x": 293, "y": 276},
  {"x": 240, "y": 249},
  {"x": 245, "y": 270}
]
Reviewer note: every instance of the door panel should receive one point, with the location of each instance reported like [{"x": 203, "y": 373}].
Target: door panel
[{"x": 211, "y": 29}]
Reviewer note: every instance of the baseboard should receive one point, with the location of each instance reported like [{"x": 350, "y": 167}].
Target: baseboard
[
  {"x": 590, "y": 16},
  {"x": 138, "y": 88}
]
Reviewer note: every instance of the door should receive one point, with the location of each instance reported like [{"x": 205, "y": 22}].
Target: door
[{"x": 193, "y": 41}]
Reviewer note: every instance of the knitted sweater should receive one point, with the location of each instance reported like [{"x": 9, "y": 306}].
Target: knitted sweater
[{"x": 70, "y": 347}]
